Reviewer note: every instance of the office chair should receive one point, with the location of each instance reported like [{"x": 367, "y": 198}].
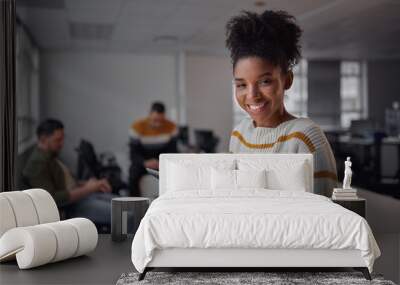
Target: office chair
[
  {"x": 206, "y": 141},
  {"x": 90, "y": 166}
]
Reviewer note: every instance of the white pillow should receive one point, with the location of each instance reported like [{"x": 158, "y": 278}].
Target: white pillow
[
  {"x": 251, "y": 178},
  {"x": 291, "y": 178},
  {"x": 188, "y": 175},
  {"x": 281, "y": 174},
  {"x": 227, "y": 179},
  {"x": 223, "y": 179},
  {"x": 183, "y": 178}
]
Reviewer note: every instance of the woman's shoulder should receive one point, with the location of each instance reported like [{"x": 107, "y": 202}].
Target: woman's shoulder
[
  {"x": 307, "y": 129},
  {"x": 244, "y": 124},
  {"x": 311, "y": 131},
  {"x": 301, "y": 124},
  {"x": 305, "y": 125}
]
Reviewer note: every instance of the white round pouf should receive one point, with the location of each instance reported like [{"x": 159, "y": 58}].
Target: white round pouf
[
  {"x": 87, "y": 234},
  {"x": 30, "y": 230},
  {"x": 23, "y": 208},
  {"x": 67, "y": 240},
  {"x": 33, "y": 246},
  {"x": 7, "y": 218},
  {"x": 45, "y": 205}
]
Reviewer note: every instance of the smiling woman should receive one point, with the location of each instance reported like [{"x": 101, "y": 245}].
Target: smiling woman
[{"x": 264, "y": 49}]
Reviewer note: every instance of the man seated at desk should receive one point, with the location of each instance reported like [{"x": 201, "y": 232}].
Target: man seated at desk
[
  {"x": 90, "y": 199},
  {"x": 150, "y": 137}
]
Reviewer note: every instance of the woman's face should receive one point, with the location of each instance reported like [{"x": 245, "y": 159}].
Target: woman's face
[{"x": 259, "y": 89}]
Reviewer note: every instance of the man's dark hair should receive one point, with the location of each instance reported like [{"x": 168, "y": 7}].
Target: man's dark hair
[
  {"x": 158, "y": 107},
  {"x": 48, "y": 127},
  {"x": 272, "y": 35}
]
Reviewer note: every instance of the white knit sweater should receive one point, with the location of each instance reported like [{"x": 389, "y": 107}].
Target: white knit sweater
[{"x": 300, "y": 135}]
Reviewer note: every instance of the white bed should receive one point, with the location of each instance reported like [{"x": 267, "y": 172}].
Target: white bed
[{"x": 200, "y": 220}]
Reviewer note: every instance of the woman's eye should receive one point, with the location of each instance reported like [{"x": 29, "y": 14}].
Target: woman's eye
[
  {"x": 240, "y": 86},
  {"x": 265, "y": 82}
]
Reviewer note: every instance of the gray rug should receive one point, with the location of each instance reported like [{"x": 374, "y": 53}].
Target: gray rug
[{"x": 228, "y": 278}]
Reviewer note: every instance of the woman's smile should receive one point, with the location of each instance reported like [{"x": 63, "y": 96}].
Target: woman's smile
[{"x": 257, "y": 108}]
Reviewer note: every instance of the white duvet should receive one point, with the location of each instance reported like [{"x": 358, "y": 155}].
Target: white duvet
[{"x": 250, "y": 219}]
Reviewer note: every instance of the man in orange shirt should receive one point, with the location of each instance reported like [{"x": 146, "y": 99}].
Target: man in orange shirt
[{"x": 150, "y": 137}]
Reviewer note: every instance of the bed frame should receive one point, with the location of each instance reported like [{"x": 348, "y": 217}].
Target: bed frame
[
  {"x": 240, "y": 259},
  {"x": 246, "y": 259}
]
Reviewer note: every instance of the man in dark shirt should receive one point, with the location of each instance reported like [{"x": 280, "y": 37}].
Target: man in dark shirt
[{"x": 90, "y": 199}]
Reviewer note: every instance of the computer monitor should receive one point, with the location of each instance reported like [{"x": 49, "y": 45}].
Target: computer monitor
[{"x": 362, "y": 128}]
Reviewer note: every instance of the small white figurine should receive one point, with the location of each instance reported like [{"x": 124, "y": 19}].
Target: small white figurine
[{"x": 347, "y": 174}]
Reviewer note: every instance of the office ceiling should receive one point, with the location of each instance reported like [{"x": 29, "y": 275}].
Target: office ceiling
[{"x": 349, "y": 29}]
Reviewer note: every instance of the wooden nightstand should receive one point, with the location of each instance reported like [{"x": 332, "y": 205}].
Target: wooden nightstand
[{"x": 358, "y": 205}]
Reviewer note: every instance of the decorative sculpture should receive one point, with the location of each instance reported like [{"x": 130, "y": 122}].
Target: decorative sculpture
[{"x": 347, "y": 174}]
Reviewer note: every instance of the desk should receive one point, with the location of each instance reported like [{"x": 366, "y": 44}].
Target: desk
[
  {"x": 357, "y": 205},
  {"x": 372, "y": 155},
  {"x": 368, "y": 141},
  {"x": 102, "y": 266}
]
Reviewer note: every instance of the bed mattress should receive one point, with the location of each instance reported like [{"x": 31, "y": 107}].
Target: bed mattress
[{"x": 251, "y": 219}]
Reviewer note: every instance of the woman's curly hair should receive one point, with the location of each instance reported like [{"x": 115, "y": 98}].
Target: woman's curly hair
[{"x": 272, "y": 35}]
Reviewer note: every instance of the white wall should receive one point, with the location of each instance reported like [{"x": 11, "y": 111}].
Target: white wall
[
  {"x": 209, "y": 95},
  {"x": 97, "y": 96}
]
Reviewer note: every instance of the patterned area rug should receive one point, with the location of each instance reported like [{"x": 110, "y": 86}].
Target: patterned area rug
[{"x": 273, "y": 278}]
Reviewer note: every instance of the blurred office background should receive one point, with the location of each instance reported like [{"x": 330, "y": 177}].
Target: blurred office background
[{"x": 97, "y": 65}]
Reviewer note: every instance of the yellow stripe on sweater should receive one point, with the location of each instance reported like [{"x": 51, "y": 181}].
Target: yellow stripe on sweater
[
  {"x": 298, "y": 135},
  {"x": 325, "y": 174}
]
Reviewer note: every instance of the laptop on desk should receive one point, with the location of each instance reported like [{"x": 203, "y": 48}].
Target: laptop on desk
[{"x": 153, "y": 172}]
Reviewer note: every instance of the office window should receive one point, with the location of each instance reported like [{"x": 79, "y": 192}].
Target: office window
[
  {"x": 352, "y": 92},
  {"x": 295, "y": 97}
]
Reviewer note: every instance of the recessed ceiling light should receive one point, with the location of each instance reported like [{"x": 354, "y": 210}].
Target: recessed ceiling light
[
  {"x": 90, "y": 31},
  {"x": 259, "y": 3}
]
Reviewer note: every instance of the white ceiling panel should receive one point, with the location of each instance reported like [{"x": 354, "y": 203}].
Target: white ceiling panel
[
  {"x": 90, "y": 31},
  {"x": 142, "y": 20},
  {"x": 154, "y": 10},
  {"x": 44, "y": 4},
  {"x": 48, "y": 27},
  {"x": 93, "y": 11},
  {"x": 335, "y": 12},
  {"x": 293, "y": 7}
]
